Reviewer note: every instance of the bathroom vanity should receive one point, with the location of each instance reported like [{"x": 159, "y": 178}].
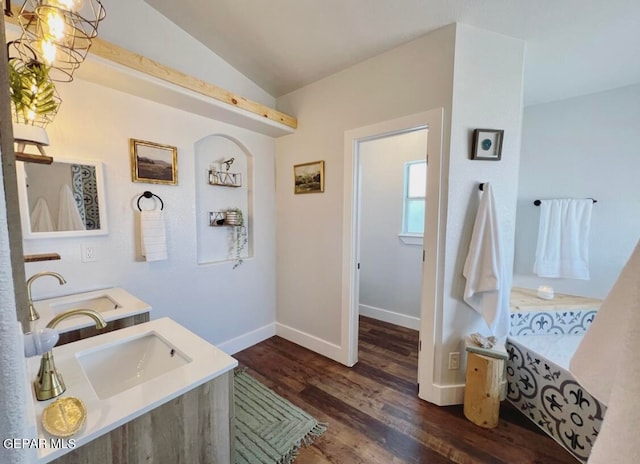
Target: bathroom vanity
[
  {"x": 154, "y": 392},
  {"x": 119, "y": 308}
]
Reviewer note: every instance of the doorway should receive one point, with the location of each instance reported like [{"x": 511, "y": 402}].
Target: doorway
[
  {"x": 430, "y": 294},
  {"x": 392, "y": 171}
]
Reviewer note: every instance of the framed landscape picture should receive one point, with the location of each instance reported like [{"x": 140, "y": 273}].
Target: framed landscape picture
[
  {"x": 153, "y": 163},
  {"x": 308, "y": 177}
]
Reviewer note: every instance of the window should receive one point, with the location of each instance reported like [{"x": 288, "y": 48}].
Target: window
[{"x": 415, "y": 186}]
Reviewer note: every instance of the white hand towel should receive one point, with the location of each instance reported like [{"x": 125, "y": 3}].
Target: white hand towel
[
  {"x": 41, "y": 217},
  {"x": 68, "y": 214},
  {"x": 606, "y": 364},
  {"x": 563, "y": 239},
  {"x": 152, "y": 235},
  {"x": 487, "y": 289}
]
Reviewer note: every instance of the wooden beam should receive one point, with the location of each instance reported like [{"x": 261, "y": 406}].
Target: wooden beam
[
  {"x": 119, "y": 55},
  {"x": 145, "y": 65}
]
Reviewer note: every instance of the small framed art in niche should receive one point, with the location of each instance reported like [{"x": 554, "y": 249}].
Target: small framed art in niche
[
  {"x": 487, "y": 144},
  {"x": 308, "y": 177},
  {"x": 153, "y": 163}
]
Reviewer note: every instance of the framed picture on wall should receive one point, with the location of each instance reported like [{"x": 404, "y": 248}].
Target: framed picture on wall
[
  {"x": 153, "y": 163},
  {"x": 487, "y": 144},
  {"x": 308, "y": 177}
]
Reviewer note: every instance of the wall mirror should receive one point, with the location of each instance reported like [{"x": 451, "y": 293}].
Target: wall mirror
[{"x": 63, "y": 199}]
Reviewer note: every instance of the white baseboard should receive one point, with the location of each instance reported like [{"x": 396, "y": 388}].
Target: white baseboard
[
  {"x": 311, "y": 342},
  {"x": 410, "y": 322},
  {"x": 249, "y": 339},
  {"x": 443, "y": 395}
]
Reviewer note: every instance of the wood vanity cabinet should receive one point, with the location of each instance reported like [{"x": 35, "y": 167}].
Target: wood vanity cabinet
[
  {"x": 196, "y": 427},
  {"x": 86, "y": 332}
]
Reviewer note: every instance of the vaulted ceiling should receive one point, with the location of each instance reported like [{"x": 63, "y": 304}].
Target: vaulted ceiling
[{"x": 574, "y": 47}]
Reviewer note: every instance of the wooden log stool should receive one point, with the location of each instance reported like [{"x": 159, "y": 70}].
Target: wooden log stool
[{"x": 484, "y": 383}]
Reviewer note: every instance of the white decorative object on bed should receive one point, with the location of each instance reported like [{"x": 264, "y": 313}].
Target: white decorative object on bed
[{"x": 563, "y": 238}]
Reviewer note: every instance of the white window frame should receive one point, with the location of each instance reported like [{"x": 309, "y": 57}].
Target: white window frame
[{"x": 407, "y": 237}]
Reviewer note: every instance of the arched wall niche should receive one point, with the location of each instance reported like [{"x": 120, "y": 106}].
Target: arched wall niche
[{"x": 216, "y": 244}]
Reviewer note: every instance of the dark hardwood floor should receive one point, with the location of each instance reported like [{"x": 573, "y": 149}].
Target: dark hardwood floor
[{"x": 373, "y": 411}]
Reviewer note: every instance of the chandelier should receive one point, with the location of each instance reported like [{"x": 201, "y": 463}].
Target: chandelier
[
  {"x": 60, "y": 33},
  {"x": 55, "y": 40}
]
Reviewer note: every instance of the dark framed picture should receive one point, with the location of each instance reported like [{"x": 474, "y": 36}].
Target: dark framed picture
[
  {"x": 308, "y": 177},
  {"x": 153, "y": 163},
  {"x": 487, "y": 144}
]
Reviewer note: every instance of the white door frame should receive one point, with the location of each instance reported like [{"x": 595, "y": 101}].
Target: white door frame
[{"x": 431, "y": 298}]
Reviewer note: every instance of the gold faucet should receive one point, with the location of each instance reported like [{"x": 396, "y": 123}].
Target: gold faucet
[
  {"x": 33, "y": 314},
  {"x": 49, "y": 383}
]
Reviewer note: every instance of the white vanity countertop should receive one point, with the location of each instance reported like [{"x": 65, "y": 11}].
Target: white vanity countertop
[
  {"x": 129, "y": 305},
  {"x": 206, "y": 362}
]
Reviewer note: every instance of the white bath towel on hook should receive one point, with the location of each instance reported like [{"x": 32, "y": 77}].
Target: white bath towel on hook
[
  {"x": 487, "y": 289},
  {"x": 563, "y": 238}
]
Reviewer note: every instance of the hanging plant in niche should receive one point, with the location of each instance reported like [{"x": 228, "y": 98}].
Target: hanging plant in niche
[{"x": 239, "y": 239}]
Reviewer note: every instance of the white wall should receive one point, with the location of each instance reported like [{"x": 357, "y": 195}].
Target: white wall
[
  {"x": 391, "y": 270},
  {"x": 214, "y": 301},
  {"x": 582, "y": 147},
  {"x": 482, "y": 87},
  {"x": 412, "y": 78},
  {"x": 487, "y": 93},
  {"x": 138, "y": 27}
]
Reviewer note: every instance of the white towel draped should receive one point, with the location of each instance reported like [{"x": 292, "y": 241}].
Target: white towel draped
[
  {"x": 606, "y": 364},
  {"x": 41, "y": 217},
  {"x": 152, "y": 235},
  {"x": 487, "y": 289},
  {"x": 563, "y": 238},
  {"x": 68, "y": 214}
]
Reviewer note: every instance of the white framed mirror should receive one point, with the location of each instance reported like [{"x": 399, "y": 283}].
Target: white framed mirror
[{"x": 62, "y": 199}]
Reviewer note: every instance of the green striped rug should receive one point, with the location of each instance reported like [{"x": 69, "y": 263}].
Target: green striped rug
[{"x": 269, "y": 429}]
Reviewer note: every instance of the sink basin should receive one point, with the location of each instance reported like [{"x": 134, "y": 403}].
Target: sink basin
[
  {"x": 102, "y": 303},
  {"x": 124, "y": 374},
  {"x": 112, "y": 303},
  {"x": 118, "y": 367}
]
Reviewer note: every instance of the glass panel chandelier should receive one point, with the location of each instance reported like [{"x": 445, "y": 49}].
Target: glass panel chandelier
[{"x": 59, "y": 32}]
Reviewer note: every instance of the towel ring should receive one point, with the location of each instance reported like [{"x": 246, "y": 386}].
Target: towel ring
[{"x": 148, "y": 194}]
